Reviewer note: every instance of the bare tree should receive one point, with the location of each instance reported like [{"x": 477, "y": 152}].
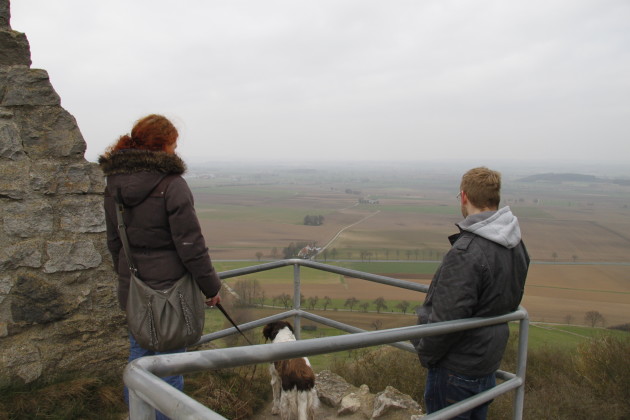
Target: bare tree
[
  {"x": 274, "y": 253},
  {"x": 248, "y": 290},
  {"x": 377, "y": 324},
  {"x": 286, "y": 300},
  {"x": 364, "y": 306},
  {"x": 379, "y": 302},
  {"x": 261, "y": 298},
  {"x": 568, "y": 319},
  {"x": 312, "y": 301},
  {"x": 350, "y": 302},
  {"x": 259, "y": 255},
  {"x": 327, "y": 300},
  {"x": 403, "y": 306},
  {"x": 593, "y": 318}
]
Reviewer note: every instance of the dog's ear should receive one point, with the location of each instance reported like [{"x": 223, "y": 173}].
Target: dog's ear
[{"x": 267, "y": 332}]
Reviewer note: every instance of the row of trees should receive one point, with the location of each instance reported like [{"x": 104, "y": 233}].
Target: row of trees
[
  {"x": 380, "y": 304},
  {"x": 368, "y": 255},
  {"x": 294, "y": 248},
  {"x": 554, "y": 255},
  {"x": 250, "y": 293},
  {"x": 310, "y": 220}
]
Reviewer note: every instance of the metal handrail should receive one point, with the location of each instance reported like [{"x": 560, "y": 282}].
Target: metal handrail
[{"x": 147, "y": 391}]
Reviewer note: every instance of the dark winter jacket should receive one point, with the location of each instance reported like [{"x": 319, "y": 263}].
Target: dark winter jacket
[
  {"x": 162, "y": 226},
  {"x": 482, "y": 275}
]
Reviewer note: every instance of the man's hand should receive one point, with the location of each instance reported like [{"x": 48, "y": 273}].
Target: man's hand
[{"x": 213, "y": 301}]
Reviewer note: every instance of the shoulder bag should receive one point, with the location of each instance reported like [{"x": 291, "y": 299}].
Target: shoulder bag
[{"x": 161, "y": 320}]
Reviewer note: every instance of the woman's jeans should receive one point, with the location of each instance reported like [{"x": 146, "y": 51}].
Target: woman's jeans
[
  {"x": 445, "y": 387},
  {"x": 136, "y": 352}
]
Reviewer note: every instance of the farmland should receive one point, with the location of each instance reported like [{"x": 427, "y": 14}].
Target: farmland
[{"x": 577, "y": 233}]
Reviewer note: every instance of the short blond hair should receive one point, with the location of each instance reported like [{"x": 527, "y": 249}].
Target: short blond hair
[{"x": 482, "y": 187}]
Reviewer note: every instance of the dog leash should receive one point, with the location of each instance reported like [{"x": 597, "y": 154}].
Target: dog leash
[{"x": 218, "y": 305}]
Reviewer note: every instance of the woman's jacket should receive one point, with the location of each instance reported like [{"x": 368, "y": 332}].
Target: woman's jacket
[{"x": 162, "y": 226}]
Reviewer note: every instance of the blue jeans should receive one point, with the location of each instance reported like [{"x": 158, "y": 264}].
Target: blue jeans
[
  {"x": 136, "y": 352},
  {"x": 445, "y": 387}
]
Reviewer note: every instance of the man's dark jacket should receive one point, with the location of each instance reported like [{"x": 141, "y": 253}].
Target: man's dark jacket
[
  {"x": 482, "y": 275},
  {"x": 162, "y": 226}
]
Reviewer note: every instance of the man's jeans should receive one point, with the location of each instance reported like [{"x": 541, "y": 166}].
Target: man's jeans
[
  {"x": 445, "y": 387},
  {"x": 136, "y": 352}
]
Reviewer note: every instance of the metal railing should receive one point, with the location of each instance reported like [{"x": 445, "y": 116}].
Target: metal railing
[{"x": 148, "y": 392}]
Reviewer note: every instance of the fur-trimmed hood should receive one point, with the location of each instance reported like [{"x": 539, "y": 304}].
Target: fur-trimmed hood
[
  {"x": 128, "y": 161},
  {"x": 137, "y": 172}
]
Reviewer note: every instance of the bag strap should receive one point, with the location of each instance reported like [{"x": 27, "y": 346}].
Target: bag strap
[{"x": 122, "y": 229}]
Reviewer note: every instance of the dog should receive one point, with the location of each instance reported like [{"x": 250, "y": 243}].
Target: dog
[{"x": 292, "y": 381}]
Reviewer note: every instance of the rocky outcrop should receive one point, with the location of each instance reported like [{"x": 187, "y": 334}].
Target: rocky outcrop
[
  {"x": 58, "y": 307},
  {"x": 352, "y": 403}
]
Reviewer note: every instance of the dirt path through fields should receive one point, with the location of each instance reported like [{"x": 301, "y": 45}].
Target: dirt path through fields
[{"x": 348, "y": 227}]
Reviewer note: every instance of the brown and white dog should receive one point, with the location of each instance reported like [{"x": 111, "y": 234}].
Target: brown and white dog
[{"x": 292, "y": 381}]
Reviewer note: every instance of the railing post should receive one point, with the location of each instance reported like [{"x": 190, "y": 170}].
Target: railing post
[
  {"x": 296, "y": 299},
  {"x": 519, "y": 397},
  {"x": 138, "y": 408}
]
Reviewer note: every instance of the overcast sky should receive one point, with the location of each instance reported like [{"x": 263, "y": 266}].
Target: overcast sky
[{"x": 345, "y": 79}]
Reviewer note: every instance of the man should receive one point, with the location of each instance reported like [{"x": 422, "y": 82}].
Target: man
[{"x": 482, "y": 275}]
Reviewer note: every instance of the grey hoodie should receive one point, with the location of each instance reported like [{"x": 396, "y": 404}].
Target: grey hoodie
[{"x": 499, "y": 226}]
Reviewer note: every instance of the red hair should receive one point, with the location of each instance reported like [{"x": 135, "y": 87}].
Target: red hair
[{"x": 153, "y": 132}]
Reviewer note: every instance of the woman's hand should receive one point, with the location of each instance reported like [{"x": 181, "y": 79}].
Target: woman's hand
[{"x": 213, "y": 301}]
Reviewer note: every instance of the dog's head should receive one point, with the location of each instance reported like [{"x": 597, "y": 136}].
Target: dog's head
[{"x": 271, "y": 330}]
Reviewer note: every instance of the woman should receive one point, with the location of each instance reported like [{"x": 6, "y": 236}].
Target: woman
[{"x": 163, "y": 229}]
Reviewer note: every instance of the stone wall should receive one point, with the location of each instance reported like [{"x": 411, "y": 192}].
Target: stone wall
[{"x": 58, "y": 307}]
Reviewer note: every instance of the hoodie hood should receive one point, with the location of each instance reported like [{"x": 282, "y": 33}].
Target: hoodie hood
[
  {"x": 138, "y": 172},
  {"x": 499, "y": 226}
]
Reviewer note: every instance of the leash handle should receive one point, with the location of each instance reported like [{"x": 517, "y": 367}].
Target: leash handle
[{"x": 218, "y": 305}]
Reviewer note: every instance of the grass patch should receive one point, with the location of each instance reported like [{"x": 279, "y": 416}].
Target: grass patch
[
  {"x": 256, "y": 213},
  {"x": 67, "y": 398},
  {"x": 234, "y": 393}
]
